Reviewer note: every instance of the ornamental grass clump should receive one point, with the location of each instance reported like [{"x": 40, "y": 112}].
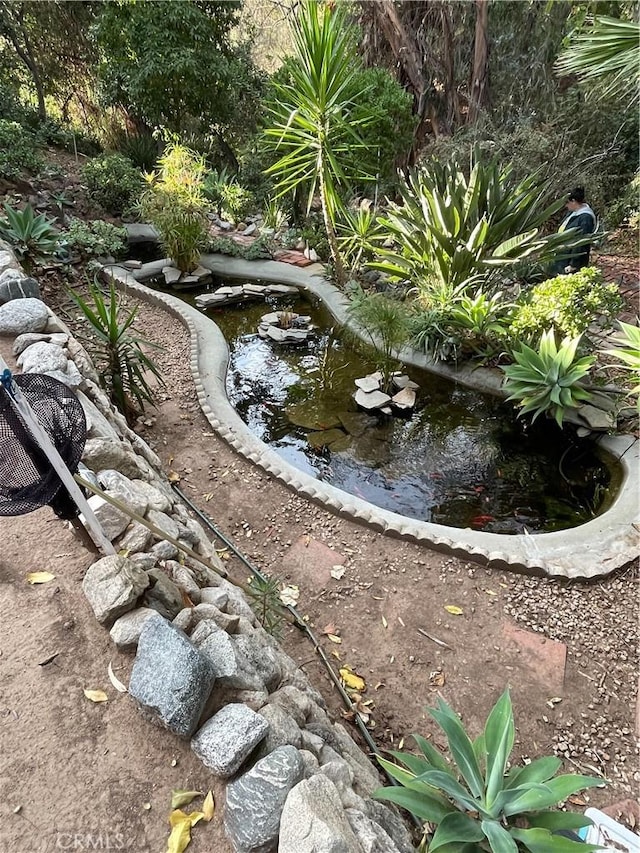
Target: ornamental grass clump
[
  {"x": 475, "y": 803},
  {"x": 176, "y": 206},
  {"x": 548, "y": 380}
]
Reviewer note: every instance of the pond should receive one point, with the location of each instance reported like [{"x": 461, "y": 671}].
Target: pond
[{"x": 461, "y": 459}]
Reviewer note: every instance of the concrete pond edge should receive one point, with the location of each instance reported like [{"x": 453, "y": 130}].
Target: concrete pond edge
[{"x": 591, "y": 550}]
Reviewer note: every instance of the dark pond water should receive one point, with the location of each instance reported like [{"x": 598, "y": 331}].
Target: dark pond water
[{"x": 462, "y": 458}]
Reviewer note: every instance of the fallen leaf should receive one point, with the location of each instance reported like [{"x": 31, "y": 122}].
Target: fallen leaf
[
  {"x": 181, "y": 824},
  {"x": 334, "y": 638},
  {"x": 436, "y": 678},
  {"x": 174, "y": 477},
  {"x": 289, "y": 595},
  {"x": 401, "y": 743},
  {"x": 337, "y": 572},
  {"x": 49, "y": 659},
  {"x": 554, "y": 701},
  {"x": 401, "y": 622},
  {"x": 208, "y": 496},
  {"x": 123, "y": 552},
  {"x": 490, "y": 592},
  {"x": 96, "y": 695},
  {"x": 385, "y": 624},
  {"x": 330, "y": 629},
  {"x": 186, "y": 601},
  {"x": 455, "y": 611},
  {"x": 577, "y": 800},
  {"x": 39, "y": 577},
  {"x": 115, "y": 681},
  {"x": 379, "y": 685},
  {"x": 353, "y": 680},
  {"x": 182, "y": 797},
  {"x": 208, "y": 807}
]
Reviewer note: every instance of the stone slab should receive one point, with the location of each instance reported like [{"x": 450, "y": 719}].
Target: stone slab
[
  {"x": 311, "y": 561},
  {"x": 542, "y": 658}
]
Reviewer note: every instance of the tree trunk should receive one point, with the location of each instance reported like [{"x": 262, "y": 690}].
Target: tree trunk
[
  {"x": 479, "y": 97},
  {"x": 450, "y": 87},
  {"x": 332, "y": 238},
  {"x": 402, "y": 44}
]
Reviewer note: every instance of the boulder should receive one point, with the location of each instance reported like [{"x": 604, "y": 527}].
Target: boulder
[
  {"x": 15, "y": 285},
  {"x": 170, "y": 677},
  {"x": 229, "y": 737},
  {"x": 23, "y": 341},
  {"x": 163, "y": 595},
  {"x": 135, "y": 538},
  {"x": 112, "y": 586},
  {"x": 124, "y": 490},
  {"x": 313, "y": 820},
  {"x": 126, "y": 630},
  {"x": 112, "y": 520},
  {"x": 100, "y": 453},
  {"x": 254, "y": 801},
  {"x": 23, "y": 315},
  {"x": 41, "y": 357}
]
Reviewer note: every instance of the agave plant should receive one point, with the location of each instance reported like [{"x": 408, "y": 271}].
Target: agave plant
[
  {"x": 482, "y": 319},
  {"x": 454, "y": 228},
  {"x": 628, "y": 352},
  {"x": 548, "y": 380},
  {"x": 30, "y": 235},
  {"x": 118, "y": 352},
  {"x": 474, "y": 801}
]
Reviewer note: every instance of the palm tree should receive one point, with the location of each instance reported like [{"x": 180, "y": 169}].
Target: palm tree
[
  {"x": 311, "y": 126},
  {"x": 608, "y": 55}
]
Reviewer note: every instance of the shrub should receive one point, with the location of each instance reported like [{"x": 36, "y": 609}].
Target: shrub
[
  {"x": 175, "y": 205},
  {"x": 18, "y": 150},
  {"x": 113, "y": 182},
  {"x": 474, "y": 801},
  {"x": 235, "y": 201},
  {"x": 452, "y": 227},
  {"x": 30, "y": 235},
  {"x": 627, "y": 350},
  {"x": 481, "y": 319},
  {"x": 141, "y": 148},
  {"x": 117, "y": 350},
  {"x": 568, "y": 304},
  {"x": 95, "y": 238},
  {"x": 547, "y": 380}
]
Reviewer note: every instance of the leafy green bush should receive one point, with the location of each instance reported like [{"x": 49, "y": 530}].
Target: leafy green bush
[
  {"x": 18, "y": 150},
  {"x": 548, "y": 380},
  {"x": 118, "y": 351},
  {"x": 481, "y": 320},
  {"x": 175, "y": 205},
  {"x": 474, "y": 801},
  {"x": 567, "y": 304},
  {"x": 95, "y": 238},
  {"x": 141, "y": 148},
  {"x": 113, "y": 182},
  {"x": 235, "y": 201},
  {"x": 451, "y": 228},
  {"x": 30, "y": 235}
]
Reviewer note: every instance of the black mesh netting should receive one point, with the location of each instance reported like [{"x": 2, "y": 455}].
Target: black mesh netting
[{"x": 27, "y": 479}]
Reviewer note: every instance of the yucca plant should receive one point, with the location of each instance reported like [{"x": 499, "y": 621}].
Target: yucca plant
[
  {"x": 452, "y": 227},
  {"x": 358, "y": 233},
  {"x": 30, "y": 235},
  {"x": 628, "y": 352},
  {"x": 548, "y": 380},
  {"x": 475, "y": 802},
  {"x": 118, "y": 351}
]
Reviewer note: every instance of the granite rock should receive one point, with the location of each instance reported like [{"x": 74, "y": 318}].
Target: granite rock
[
  {"x": 227, "y": 739},
  {"x": 112, "y": 586}
]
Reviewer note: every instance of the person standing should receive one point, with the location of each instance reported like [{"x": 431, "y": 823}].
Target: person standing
[{"x": 582, "y": 219}]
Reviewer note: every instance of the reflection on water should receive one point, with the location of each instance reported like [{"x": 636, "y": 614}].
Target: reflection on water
[{"x": 461, "y": 459}]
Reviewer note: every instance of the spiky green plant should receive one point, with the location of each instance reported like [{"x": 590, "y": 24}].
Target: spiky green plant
[
  {"x": 118, "y": 351},
  {"x": 264, "y": 599},
  {"x": 30, "y": 235},
  {"x": 628, "y": 352},
  {"x": 451, "y": 228},
  {"x": 359, "y": 232},
  {"x": 548, "y": 380},
  {"x": 476, "y": 803},
  {"x": 482, "y": 319}
]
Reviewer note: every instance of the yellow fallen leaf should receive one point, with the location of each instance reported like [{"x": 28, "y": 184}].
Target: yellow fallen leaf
[
  {"x": 181, "y": 824},
  {"x": 208, "y": 496},
  {"x": 96, "y": 695},
  {"x": 455, "y": 611},
  {"x": 384, "y": 622},
  {"x": 39, "y": 577},
  {"x": 174, "y": 477},
  {"x": 182, "y": 797},
  {"x": 334, "y": 638},
  {"x": 336, "y": 654},
  {"x": 490, "y": 592},
  {"x": 208, "y": 807},
  {"x": 353, "y": 680}
]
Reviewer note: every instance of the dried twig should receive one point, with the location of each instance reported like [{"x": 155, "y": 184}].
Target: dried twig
[{"x": 434, "y": 639}]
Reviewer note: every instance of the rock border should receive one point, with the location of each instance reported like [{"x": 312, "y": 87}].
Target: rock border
[{"x": 594, "y": 549}]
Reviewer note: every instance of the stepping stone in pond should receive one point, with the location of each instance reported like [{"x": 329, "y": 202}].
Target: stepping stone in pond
[
  {"x": 171, "y": 274},
  {"x": 325, "y": 437},
  {"x": 405, "y": 399},
  {"x": 271, "y": 319},
  {"x": 372, "y": 399},
  {"x": 258, "y": 289},
  {"x": 205, "y": 300},
  {"x": 403, "y": 381},
  {"x": 368, "y": 383},
  {"x": 234, "y": 290},
  {"x": 281, "y": 288},
  {"x": 340, "y": 444}
]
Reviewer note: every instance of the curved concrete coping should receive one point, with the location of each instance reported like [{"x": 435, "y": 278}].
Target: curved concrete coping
[{"x": 593, "y": 549}]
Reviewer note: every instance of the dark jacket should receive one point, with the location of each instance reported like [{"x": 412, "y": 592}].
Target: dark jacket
[{"x": 584, "y": 221}]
